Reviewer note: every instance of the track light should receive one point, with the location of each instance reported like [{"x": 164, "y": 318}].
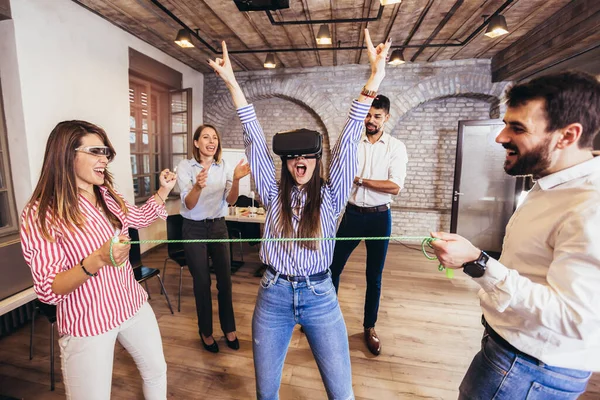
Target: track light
[
  {"x": 497, "y": 26},
  {"x": 388, "y": 2},
  {"x": 324, "y": 36},
  {"x": 184, "y": 39},
  {"x": 397, "y": 57},
  {"x": 270, "y": 61}
]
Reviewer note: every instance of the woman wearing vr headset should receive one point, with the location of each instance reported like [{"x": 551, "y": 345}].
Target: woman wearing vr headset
[
  {"x": 66, "y": 233},
  {"x": 207, "y": 186},
  {"x": 297, "y": 288}
]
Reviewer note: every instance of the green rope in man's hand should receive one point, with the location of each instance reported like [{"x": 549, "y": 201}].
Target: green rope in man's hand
[{"x": 425, "y": 241}]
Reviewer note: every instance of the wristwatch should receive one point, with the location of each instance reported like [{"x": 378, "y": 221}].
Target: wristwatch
[
  {"x": 359, "y": 183},
  {"x": 476, "y": 269}
]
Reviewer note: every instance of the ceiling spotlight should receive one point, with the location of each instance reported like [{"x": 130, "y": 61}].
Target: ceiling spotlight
[
  {"x": 397, "y": 57},
  {"x": 184, "y": 39},
  {"x": 388, "y": 2},
  {"x": 270, "y": 61},
  {"x": 496, "y": 27},
  {"x": 324, "y": 36}
]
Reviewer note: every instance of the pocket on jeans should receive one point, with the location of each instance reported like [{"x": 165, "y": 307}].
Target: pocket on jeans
[
  {"x": 266, "y": 281},
  {"x": 323, "y": 287},
  {"x": 495, "y": 355},
  {"x": 537, "y": 391}
]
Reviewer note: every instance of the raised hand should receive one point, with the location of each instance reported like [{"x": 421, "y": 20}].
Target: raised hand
[
  {"x": 241, "y": 170},
  {"x": 201, "y": 178},
  {"x": 377, "y": 55},
  {"x": 167, "y": 179},
  {"x": 223, "y": 68}
]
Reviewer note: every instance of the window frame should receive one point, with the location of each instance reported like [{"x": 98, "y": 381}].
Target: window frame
[{"x": 6, "y": 185}]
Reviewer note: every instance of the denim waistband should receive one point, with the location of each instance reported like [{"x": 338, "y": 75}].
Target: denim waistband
[
  {"x": 502, "y": 342},
  {"x": 300, "y": 278}
]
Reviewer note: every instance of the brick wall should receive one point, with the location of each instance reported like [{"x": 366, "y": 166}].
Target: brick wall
[{"x": 427, "y": 102}]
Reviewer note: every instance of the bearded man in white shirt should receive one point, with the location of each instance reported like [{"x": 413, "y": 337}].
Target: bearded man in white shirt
[
  {"x": 541, "y": 299},
  {"x": 382, "y": 163}
]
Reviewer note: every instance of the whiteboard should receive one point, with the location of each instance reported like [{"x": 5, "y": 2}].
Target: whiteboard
[{"x": 232, "y": 157}]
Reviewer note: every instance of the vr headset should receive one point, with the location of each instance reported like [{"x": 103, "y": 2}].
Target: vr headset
[{"x": 299, "y": 142}]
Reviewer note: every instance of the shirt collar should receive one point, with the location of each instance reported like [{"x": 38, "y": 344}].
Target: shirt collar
[
  {"x": 383, "y": 138},
  {"x": 197, "y": 164},
  {"x": 577, "y": 171}
]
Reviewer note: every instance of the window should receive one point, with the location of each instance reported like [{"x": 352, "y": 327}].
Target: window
[
  {"x": 180, "y": 131},
  {"x": 8, "y": 213}
]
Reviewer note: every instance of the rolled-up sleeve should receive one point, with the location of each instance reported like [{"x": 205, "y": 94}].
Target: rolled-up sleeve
[
  {"x": 398, "y": 162},
  {"x": 45, "y": 258}
]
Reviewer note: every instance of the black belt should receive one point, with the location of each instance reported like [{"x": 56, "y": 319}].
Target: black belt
[
  {"x": 297, "y": 278},
  {"x": 502, "y": 342},
  {"x": 366, "y": 210},
  {"x": 212, "y": 219}
]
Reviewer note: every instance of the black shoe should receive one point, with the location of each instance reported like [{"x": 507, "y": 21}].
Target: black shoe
[
  {"x": 213, "y": 348},
  {"x": 232, "y": 344}
]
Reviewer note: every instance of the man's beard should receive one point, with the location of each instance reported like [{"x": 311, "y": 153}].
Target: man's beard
[
  {"x": 373, "y": 132},
  {"x": 534, "y": 162}
]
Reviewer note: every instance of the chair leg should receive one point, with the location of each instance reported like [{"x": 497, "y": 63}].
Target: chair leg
[
  {"x": 180, "y": 287},
  {"x": 31, "y": 333},
  {"x": 164, "y": 271},
  {"x": 241, "y": 249},
  {"x": 52, "y": 356},
  {"x": 147, "y": 290},
  {"x": 165, "y": 292}
]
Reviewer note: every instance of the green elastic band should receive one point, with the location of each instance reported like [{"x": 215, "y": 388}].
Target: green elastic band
[{"x": 425, "y": 241}]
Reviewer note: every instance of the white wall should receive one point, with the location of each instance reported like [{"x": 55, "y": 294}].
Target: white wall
[{"x": 60, "y": 61}]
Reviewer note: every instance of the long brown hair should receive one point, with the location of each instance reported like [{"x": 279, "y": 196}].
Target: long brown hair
[
  {"x": 56, "y": 193},
  {"x": 310, "y": 216},
  {"x": 196, "y": 151}
]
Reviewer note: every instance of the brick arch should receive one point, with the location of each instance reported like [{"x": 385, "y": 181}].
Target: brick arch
[
  {"x": 221, "y": 111},
  {"x": 459, "y": 84}
]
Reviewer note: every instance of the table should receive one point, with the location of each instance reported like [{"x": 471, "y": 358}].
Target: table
[
  {"x": 245, "y": 217},
  {"x": 17, "y": 300}
]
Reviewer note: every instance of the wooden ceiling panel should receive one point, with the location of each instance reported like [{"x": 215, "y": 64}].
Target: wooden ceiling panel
[{"x": 441, "y": 22}]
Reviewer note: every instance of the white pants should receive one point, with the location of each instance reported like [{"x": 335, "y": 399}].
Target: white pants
[{"x": 87, "y": 362}]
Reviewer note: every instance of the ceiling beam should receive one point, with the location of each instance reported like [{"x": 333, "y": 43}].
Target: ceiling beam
[
  {"x": 570, "y": 31},
  {"x": 438, "y": 28}
]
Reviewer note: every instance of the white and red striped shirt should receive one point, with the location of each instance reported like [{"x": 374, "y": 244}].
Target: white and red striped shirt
[{"x": 105, "y": 301}]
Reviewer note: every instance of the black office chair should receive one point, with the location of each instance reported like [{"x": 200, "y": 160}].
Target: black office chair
[
  {"x": 49, "y": 311},
  {"x": 141, "y": 272},
  {"x": 175, "y": 251}
]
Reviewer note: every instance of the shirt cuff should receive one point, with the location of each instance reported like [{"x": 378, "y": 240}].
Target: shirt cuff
[
  {"x": 494, "y": 274},
  {"x": 160, "y": 209},
  {"x": 359, "y": 110},
  {"x": 246, "y": 113}
]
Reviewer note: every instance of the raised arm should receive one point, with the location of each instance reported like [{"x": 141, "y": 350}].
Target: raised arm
[
  {"x": 257, "y": 151},
  {"x": 344, "y": 162}
]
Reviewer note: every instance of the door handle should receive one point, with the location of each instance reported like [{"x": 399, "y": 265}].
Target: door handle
[{"x": 458, "y": 193}]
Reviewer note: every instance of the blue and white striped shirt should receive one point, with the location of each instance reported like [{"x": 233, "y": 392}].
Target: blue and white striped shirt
[{"x": 291, "y": 258}]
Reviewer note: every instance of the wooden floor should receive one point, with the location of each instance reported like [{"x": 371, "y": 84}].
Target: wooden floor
[{"x": 429, "y": 327}]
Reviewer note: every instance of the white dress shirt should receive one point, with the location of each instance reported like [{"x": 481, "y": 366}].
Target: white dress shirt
[
  {"x": 384, "y": 160},
  {"x": 212, "y": 202},
  {"x": 553, "y": 314}
]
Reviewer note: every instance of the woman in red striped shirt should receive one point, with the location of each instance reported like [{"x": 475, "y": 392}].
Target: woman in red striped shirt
[{"x": 66, "y": 231}]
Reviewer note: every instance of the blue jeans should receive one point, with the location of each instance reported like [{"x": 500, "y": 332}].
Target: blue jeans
[
  {"x": 281, "y": 305},
  {"x": 498, "y": 373},
  {"x": 355, "y": 224}
]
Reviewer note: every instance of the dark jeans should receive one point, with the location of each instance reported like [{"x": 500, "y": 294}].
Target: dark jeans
[
  {"x": 501, "y": 373},
  {"x": 355, "y": 224},
  {"x": 197, "y": 258}
]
